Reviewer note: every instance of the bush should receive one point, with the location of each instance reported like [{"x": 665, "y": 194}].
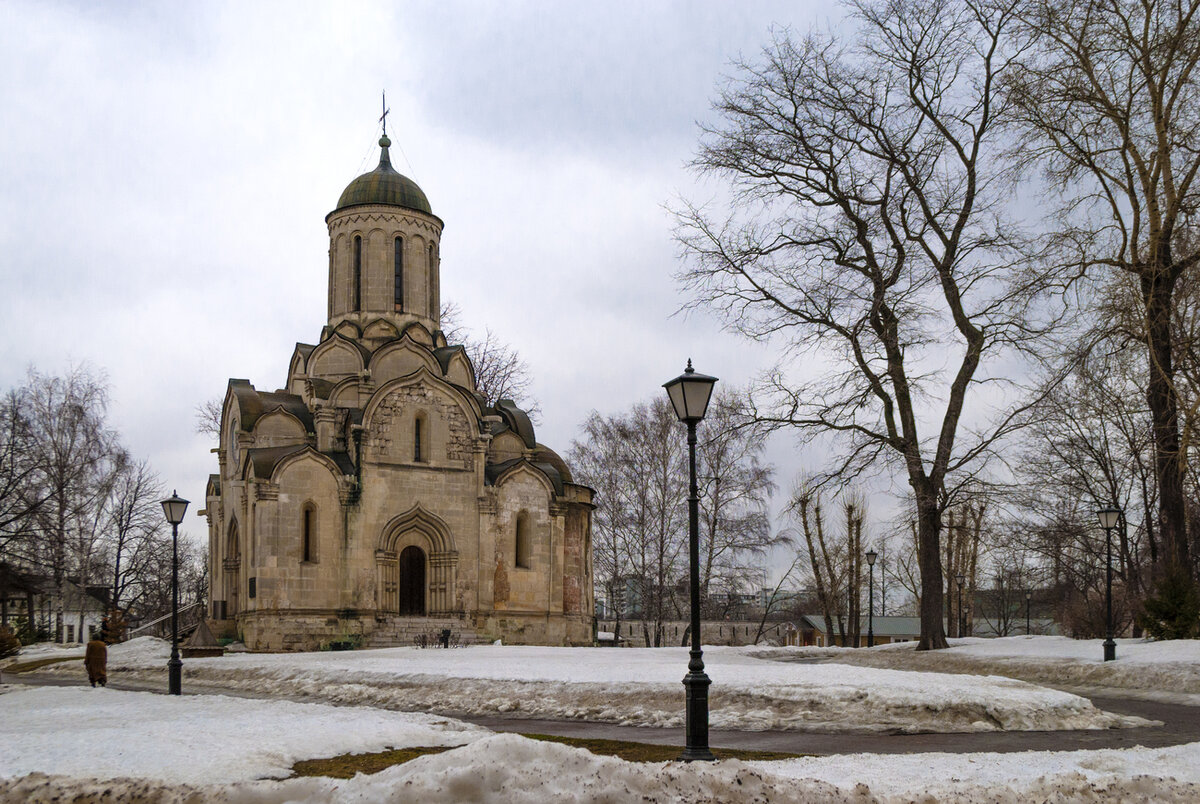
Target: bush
[
  {"x": 1173, "y": 611},
  {"x": 9, "y": 644}
]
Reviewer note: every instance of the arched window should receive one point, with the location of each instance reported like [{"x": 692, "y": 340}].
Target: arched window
[
  {"x": 523, "y": 541},
  {"x": 357, "y": 289},
  {"x": 432, "y": 283},
  {"x": 308, "y": 533},
  {"x": 420, "y": 438},
  {"x": 398, "y": 266}
]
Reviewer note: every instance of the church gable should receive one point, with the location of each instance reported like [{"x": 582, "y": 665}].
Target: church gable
[
  {"x": 278, "y": 429},
  {"x": 419, "y": 421},
  {"x": 336, "y": 357},
  {"x": 506, "y": 447},
  {"x": 460, "y": 371},
  {"x": 381, "y": 330},
  {"x": 401, "y": 359}
]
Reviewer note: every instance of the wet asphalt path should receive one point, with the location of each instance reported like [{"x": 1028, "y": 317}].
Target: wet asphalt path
[{"x": 1181, "y": 724}]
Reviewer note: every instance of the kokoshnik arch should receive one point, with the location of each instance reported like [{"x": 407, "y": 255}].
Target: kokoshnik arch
[{"x": 378, "y": 494}]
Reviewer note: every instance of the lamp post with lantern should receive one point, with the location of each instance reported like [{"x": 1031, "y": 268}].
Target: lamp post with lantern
[
  {"x": 174, "y": 507},
  {"x": 1028, "y": 599},
  {"x": 689, "y": 394},
  {"x": 1110, "y": 517}
]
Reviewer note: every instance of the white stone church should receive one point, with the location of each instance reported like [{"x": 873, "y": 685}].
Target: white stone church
[{"x": 377, "y": 495}]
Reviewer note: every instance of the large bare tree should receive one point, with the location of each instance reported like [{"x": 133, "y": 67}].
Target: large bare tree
[
  {"x": 866, "y": 231},
  {"x": 1112, "y": 101}
]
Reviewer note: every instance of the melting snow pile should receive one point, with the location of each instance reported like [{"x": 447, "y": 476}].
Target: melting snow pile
[
  {"x": 633, "y": 687},
  {"x": 1168, "y": 670},
  {"x": 83, "y": 745}
]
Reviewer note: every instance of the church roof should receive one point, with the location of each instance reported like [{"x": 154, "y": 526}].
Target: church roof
[
  {"x": 493, "y": 471},
  {"x": 252, "y": 404},
  {"x": 384, "y": 185},
  {"x": 265, "y": 459}
]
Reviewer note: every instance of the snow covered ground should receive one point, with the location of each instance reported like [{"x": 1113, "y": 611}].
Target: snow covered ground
[
  {"x": 1160, "y": 670},
  {"x": 92, "y": 745},
  {"x": 635, "y": 686}
]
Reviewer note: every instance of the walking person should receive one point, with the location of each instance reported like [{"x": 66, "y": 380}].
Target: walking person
[{"x": 95, "y": 659}]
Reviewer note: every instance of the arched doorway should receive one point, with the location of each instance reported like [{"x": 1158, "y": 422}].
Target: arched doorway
[{"x": 412, "y": 582}]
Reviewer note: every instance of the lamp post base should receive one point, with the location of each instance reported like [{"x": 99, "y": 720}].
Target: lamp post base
[
  {"x": 1110, "y": 650},
  {"x": 696, "y": 685},
  {"x": 175, "y": 676}
]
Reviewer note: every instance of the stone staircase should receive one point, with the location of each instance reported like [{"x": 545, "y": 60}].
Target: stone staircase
[{"x": 396, "y": 632}]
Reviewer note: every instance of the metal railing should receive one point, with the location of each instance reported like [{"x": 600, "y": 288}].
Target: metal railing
[{"x": 183, "y": 610}]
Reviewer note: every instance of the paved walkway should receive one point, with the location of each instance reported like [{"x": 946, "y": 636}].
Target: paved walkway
[{"x": 1181, "y": 724}]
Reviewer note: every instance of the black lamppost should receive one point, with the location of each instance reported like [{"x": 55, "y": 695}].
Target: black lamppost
[
  {"x": 1028, "y": 598},
  {"x": 174, "y": 507},
  {"x": 959, "y": 579},
  {"x": 1109, "y": 518},
  {"x": 871, "y": 556},
  {"x": 689, "y": 393}
]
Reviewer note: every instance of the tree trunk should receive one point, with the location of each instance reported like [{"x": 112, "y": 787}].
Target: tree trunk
[
  {"x": 1162, "y": 399},
  {"x": 933, "y": 631}
]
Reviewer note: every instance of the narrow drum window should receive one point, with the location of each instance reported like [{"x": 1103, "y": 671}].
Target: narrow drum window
[
  {"x": 432, "y": 282},
  {"x": 398, "y": 265},
  {"x": 357, "y": 273},
  {"x": 420, "y": 453},
  {"x": 524, "y": 548},
  {"x": 308, "y": 534}
]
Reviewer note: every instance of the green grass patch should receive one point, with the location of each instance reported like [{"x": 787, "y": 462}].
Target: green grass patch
[
  {"x": 346, "y": 765},
  {"x": 25, "y": 667}
]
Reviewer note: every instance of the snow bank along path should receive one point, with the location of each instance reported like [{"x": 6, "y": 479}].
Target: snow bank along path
[
  {"x": 633, "y": 687},
  {"x": 85, "y": 732},
  {"x": 1168, "y": 670},
  {"x": 87, "y": 745}
]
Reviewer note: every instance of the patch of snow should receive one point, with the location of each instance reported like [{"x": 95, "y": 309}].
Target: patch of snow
[
  {"x": 143, "y": 747},
  {"x": 1169, "y": 668},
  {"x": 194, "y": 739},
  {"x": 633, "y": 686}
]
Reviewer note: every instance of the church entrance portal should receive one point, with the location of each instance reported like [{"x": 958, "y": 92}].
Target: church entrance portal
[{"x": 412, "y": 582}]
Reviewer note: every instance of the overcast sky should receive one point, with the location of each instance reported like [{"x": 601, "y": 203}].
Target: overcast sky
[{"x": 167, "y": 169}]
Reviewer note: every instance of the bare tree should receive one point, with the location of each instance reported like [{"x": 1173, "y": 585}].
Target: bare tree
[
  {"x": 21, "y": 495},
  {"x": 208, "y": 417},
  {"x": 134, "y": 529},
  {"x": 868, "y": 230},
  {"x": 76, "y": 449},
  {"x": 601, "y": 461},
  {"x": 1110, "y": 95},
  {"x": 736, "y": 487},
  {"x": 834, "y": 566},
  {"x": 500, "y": 371}
]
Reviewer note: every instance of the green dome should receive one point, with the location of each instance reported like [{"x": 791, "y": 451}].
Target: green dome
[{"x": 383, "y": 185}]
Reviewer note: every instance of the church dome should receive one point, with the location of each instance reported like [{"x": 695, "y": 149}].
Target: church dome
[{"x": 384, "y": 185}]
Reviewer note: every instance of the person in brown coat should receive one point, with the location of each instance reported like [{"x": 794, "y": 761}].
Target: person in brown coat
[{"x": 95, "y": 659}]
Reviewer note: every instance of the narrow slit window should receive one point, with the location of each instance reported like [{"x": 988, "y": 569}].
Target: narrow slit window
[
  {"x": 432, "y": 283},
  {"x": 398, "y": 265},
  {"x": 523, "y": 547},
  {"x": 419, "y": 438},
  {"x": 357, "y": 273},
  {"x": 308, "y": 536}
]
